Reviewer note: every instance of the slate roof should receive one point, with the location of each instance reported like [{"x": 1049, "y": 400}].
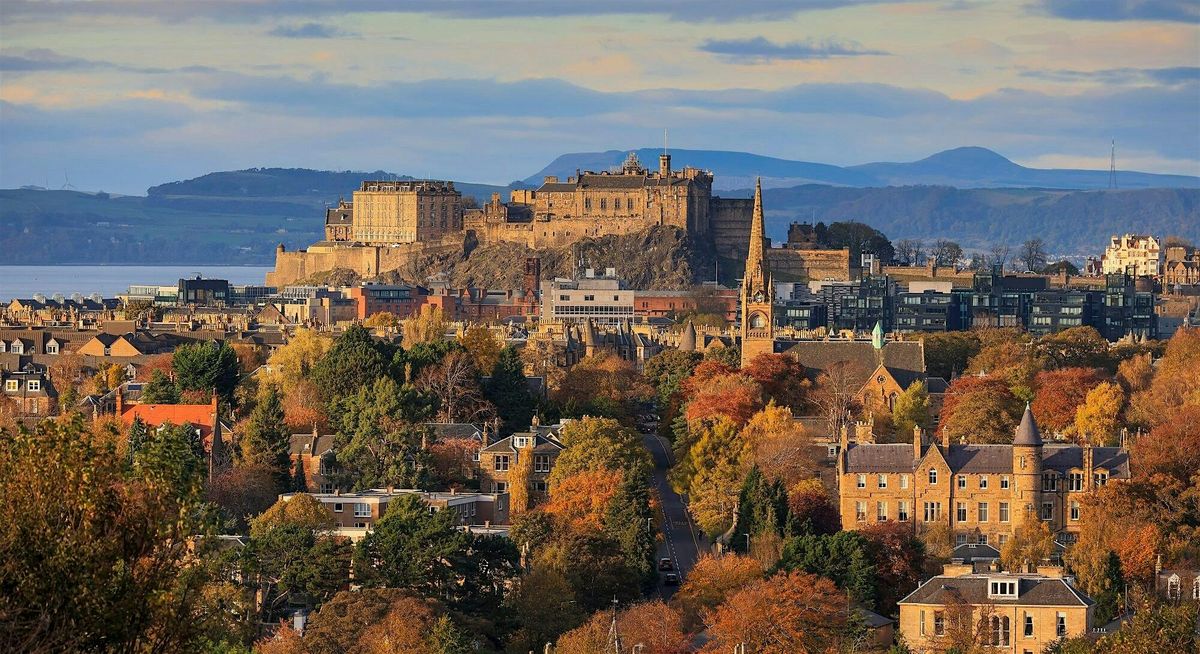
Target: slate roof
[
  {"x": 1027, "y": 431},
  {"x": 300, "y": 444},
  {"x": 1065, "y": 457},
  {"x": 980, "y": 459},
  {"x": 455, "y": 430},
  {"x": 974, "y": 552},
  {"x": 983, "y": 459},
  {"x": 880, "y": 457},
  {"x": 904, "y": 359},
  {"x": 1032, "y": 590},
  {"x": 543, "y": 443}
]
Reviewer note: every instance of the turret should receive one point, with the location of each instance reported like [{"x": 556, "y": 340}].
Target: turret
[
  {"x": 664, "y": 165},
  {"x": 1027, "y": 468}
]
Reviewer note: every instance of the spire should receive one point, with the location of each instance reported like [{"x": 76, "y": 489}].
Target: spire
[
  {"x": 1027, "y": 431},
  {"x": 877, "y": 335},
  {"x": 756, "y": 229},
  {"x": 687, "y": 342}
]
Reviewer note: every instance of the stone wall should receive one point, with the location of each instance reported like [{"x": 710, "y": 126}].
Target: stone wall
[
  {"x": 811, "y": 265},
  {"x": 366, "y": 260},
  {"x": 729, "y": 224},
  {"x": 542, "y": 234}
]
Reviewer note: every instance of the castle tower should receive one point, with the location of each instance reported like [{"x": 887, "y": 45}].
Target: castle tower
[
  {"x": 758, "y": 291},
  {"x": 1027, "y": 470}
]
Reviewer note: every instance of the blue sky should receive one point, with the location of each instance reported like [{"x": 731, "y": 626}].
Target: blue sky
[{"x": 123, "y": 94}]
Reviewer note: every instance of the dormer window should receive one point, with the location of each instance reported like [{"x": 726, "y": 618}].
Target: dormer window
[
  {"x": 34, "y": 385},
  {"x": 12, "y": 385},
  {"x": 521, "y": 441},
  {"x": 18, "y": 347},
  {"x": 52, "y": 347},
  {"x": 1002, "y": 589}
]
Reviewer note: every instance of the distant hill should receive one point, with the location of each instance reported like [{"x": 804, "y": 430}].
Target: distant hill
[{"x": 968, "y": 167}]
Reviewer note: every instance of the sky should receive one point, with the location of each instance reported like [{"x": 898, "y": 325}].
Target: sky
[{"x": 119, "y": 95}]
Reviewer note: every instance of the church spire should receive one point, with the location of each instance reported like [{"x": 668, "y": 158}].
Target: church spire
[
  {"x": 758, "y": 292},
  {"x": 754, "y": 260}
]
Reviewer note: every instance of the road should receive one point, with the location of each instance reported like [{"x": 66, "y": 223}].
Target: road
[{"x": 682, "y": 542}]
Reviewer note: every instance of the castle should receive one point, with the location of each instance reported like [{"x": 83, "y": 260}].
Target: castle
[{"x": 390, "y": 223}]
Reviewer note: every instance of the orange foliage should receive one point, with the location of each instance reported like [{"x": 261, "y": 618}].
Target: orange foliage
[
  {"x": 302, "y": 408},
  {"x": 1059, "y": 393},
  {"x": 654, "y": 625},
  {"x": 402, "y": 630},
  {"x": 781, "y": 377},
  {"x": 582, "y": 499},
  {"x": 733, "y": 396},
  {"x": 1176, "y": 381},
  {"x": 704, "y": 372},
  {"x": 712, "y": 580},
  {"x": 796, "y": 613},
  {"x": 980, "y": 409}
]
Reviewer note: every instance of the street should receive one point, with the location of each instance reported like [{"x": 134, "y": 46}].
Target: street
[{"x": 682, "y": 542}]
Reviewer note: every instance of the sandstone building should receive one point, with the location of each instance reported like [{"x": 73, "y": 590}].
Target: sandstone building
[
  {"x": 1137, "y": 254},
  {"x": 982, "y": 492}
]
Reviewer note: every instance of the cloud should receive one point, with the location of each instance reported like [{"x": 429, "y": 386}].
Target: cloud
[
  {"x": 42, "y": 59},
  {"x": 310, "y": 31},
  {"x": 760, "y": 49},
  {"x": 1165, "y": 76},
  {"x": 691, "y": 11},
  {"x": 1183, "y": 11}
]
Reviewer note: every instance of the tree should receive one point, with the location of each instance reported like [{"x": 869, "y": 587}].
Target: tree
[
  {"x": 1176, "y": 382},
  {"x": 119, "y": 577},
  {"x": 734, "y": 397},
  {"x": 383, "y": 320},
  {"x": 811, "y": 509},
  {"x": 999, "y": 256},
  {"x": 845, "y": 558},
  {"x": 159, "y": 390},
  {"x": 911, "y": 410},
  {"x": 1081, "y": 347},
  {"x": 425, "y": 326},
  {"x": 355, "y": 360},
  {"x": 601, "y": 385},
  {"x": 1060, "y": 267},
  {"x": 508, "y": 390},
  {"x": 581, "y": 501},
  {"x": 858, "y": 237},
  {"x": 762, "y": 510},
  {"x": 947, "y": 353},
  {"x": 455, "y": 384},
  {"x": 729, "y": 356},
  {"x": 1152, "y": 628},
  {"x": 781, "y": 378},
  {"x": 243, "y": 492},
  {"x": 712, "y": 580},
  {"x": 379, "y": 436},
  {"x": 1033, "y": 254},
  {"x": 909, "y": 252},
  {"x": 292, "y": 363},
  {"x": 594, "y": 566},
  {"x": 483, "y": 346},
  {"x": 205, "y": 368},
  {"x": 267, "y": 440},
  {"x": 653, "y": 625},
  {"x": 710, "y": 473},
  {"x": 946, "y": 253},
  {"x": 518, "y": 481},
  {"x": 629, "y": 520},
  {"x": 303, "y": 510},
  {"x": 790, "y": 613},
  {"x": 1135, "y": 373},
  {"x": 780, "y": 446},
  {"x": 294, "y": 564},
  {"x": 1059, "y": 395},
  {"x": 600, "y": 444},
  {"x": 836, "y": 395},
  {"x": 1098, "y": 418},
  {"x": 1031, "y": 542},
  {"x": 899, "y": 559},
  {"x": 981, "y": 410},
  {"x": 545, "y": 607},
  {"x": 1007, "y": 354}
]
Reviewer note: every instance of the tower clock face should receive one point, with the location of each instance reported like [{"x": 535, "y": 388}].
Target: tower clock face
[{"x": 758, "y": 297}]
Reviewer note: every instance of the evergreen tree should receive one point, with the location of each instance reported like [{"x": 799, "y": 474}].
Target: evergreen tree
[
  {"x": 138, "y": 435},
  {"x": 299, "y": 479},
  {"x": 1108, "y": 601},
  {"x": 762, "y": 508},
  {"x": 630, "y": 522},
  {"x": 445, "y": 638},
  {"x": 355, "y": 360},
  {"x": 267, "y": 441},
  {"x": 205, "y": 367},
  {"x": 160, "y": 390},
  {"x": 509, "y": 391}
]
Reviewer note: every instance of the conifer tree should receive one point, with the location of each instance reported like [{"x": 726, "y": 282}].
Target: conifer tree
[
  {"x": 509, "y": 391},
  {"x": 267, "y": 441}
]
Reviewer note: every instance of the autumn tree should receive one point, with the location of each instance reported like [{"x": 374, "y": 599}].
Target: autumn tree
[
  {"x": 899, "y": 558},
  {"x": 734, "y": 397},
  {"x": 292, "y": 362},
  {"x": 1031, "y": 542},
  {"x": 518, "y": 481},
  {"x": 1176, "y": 382},
  {"x": 1135, "y": 373},
  {"x": 710, "y": 473},
  {"x": 781, "y": 377},
  {"x": 295, "y": 560},
  {"x": 1097, "y": 419},
  {"x": 483, "y": 346},
  {"x": 980, "y": 410},
  {"x": 1059, "y": 395},
  {"x": 650, "y": 627},
  {"x": 947, "y": 353},
  {"x": 1009, "y": 356},
  {"x": 911, "y": 411},
  {"x": 711, "y": 581},
  {"x": 600, "y": 444},
  {"x": 384, "y": 321},
  {"x": 1077, "y": 347},
  {"x": 159, "y": 389},
  {"x": 243, "y": 492},
  {"x": 455, "y": 384},
  {"x": 425, "y": 326},
  {"x": 780, "y": 446},
  {"x": 811, "y": 509},
  {"x": 836, "y": 394},
  {"x": 601, "y": 385},
  {"x": 544, "y": 605},
  {"x": 790, "y": 613},
  {"x": 581, "y": 500}
]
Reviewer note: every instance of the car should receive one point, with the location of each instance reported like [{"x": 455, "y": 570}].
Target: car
[
  {"x": 670, "y": 579},
  {"x": 665, "y": 564}
]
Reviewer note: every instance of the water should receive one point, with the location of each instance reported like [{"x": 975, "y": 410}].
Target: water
[{"x": 24, "y": 281}]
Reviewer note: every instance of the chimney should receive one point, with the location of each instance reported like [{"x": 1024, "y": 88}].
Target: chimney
[
  {"x": 391, "y": 489},
  {"x": 120, "y": 402},
  {"x": 918, "y": 441},
  {"x": 945, "y": 440}
]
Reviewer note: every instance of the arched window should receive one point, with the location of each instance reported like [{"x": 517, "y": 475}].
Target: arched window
[
  {"x": 758, "y": 321},
  {"x": 1196, "y": 589},
  {"x": 1173, "y": 587}
]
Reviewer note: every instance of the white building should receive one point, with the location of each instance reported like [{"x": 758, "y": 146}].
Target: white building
[
  {"x": 602, "y": 299},
  {"x": 1138, "y": 254}
]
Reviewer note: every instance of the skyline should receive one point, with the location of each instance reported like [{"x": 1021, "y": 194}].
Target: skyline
[{"x": 119, "y": 95}]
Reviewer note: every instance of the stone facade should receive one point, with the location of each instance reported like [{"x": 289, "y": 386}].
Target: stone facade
[
  {"x": 415, "y": 211},
  {"x": 1181, "y": 268},
  {"x": 982, "y": 492},
  {"x": 758, "y": 291},
  {"x": 1137, "y": 254},
  {"x": 497, "y": 459}
]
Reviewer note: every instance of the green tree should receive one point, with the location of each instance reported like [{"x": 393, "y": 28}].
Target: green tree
[
  {"x": 947, "y": 353},
  {"x": 629, "y": 521},
  {"x": 355, "y": 361},
  {"x": 379, "y": 436},
  {"x": 137, "y": 436},
  {"x": 911, "y": 410},
  {"x": 446, "y": 638},
  {"x": 1108, "y": 600},
  {"x": 299, "y": 478},
  {"x": 267, "y": 439},
  {"x": 160, "y": 390},
  {"x": 508, "y": 390},
  {"x": 844, "y": 557},
  {"x": 295, "y": 564},
  {"x": 1077, "y": 347},
  {"x": 762, "y": 509},
  {"x": 206, "y": 367},
  {"x": 600, "y": 444}
]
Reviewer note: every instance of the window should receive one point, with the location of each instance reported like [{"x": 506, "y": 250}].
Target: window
[
  {"x": 932, "y": 477},
  {"x": 922, "y": 622},
  {"x": 51, "y": 348},
  {"x": 960, "y": 512},
  {"x": 1173, "y": 587},
  {"x": 902, "y": 511},
  {"x": 1075, "y": 481},
  {"x": 903, "y": 481},
  {"x": 1002, "y": 539},
  {"x": 862, "y": 481},
  {"x": 1028, "y": 626},
  {"x": 1047, "y": 510},
  {"x": 539, "y": 486},
  {"x": 1004, "y": 482},
  {"x": 881, "y": 511},
  {"x": 500, "y": 463},
  {"x": 1074, "y": 510},
  {"x": 960, "y": 539},
  {"x": 327, "y": 488},
  {"x": 564, "y": 298},
  {"x": 541, "y": 463},
  {"x": 1049, "y": 482},
  {"x": 883, "y": 481},
  {"x": 501, "y": 487},
  {"x": 337, "y": 507},
  {"x": 34, "y": 384},
  {"x": 362, "y": 510},
  {"x": 983, "y": 482},
  {"x": 860, "y": 511},
  {"x": 1002, "y": 589},
  {"x": 962, "y": 481},
  {"x": 1101, "y": 478},
  {"x": 939, "y": 623},
  {"x": 983, "y": 539},
  {"x": 1060, "y": 624},
  {"x": 12, "y": 385},
  {"x": 933, "y": 511},
  {"x": 1004, "y": 512},
  {"x": 1000, "y": 627},
  {"x": 983, "y": 511}
]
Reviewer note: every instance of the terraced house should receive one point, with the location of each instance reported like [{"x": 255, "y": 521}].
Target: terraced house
[{"x": 983, "y": 492}]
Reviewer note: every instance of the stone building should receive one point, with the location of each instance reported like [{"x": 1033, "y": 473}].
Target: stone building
[
  {"x": 982, "y": 492},
  {"x": 1181, "y": 268},
  {"x": 498, "y": 459},
  {"x": 1021, "y": 613},
  {"x": 357, "y": 513},
  {"x": 386, "y": 212},
  {"x": 1137, "y": 254},
  {"x": 758, "y": 291},
  {"x": 338, "y": 221}
]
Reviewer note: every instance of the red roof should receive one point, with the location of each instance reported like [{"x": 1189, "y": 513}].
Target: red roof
[{"x": 199, "y": 415}]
